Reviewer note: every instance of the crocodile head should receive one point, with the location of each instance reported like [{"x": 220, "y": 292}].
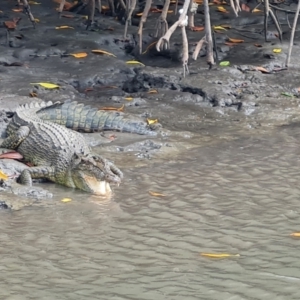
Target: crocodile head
[{"x": 94, "y": 174}]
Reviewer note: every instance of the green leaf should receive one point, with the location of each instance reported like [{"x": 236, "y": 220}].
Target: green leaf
[{"x": 224, "y": 63}]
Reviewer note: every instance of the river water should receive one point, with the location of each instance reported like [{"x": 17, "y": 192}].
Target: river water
[{"x": 238, "y": 197}]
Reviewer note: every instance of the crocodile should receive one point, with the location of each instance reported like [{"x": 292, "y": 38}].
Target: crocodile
[
  {"x": 57, "y": 153},
  {"x": 85, "y": 118}
]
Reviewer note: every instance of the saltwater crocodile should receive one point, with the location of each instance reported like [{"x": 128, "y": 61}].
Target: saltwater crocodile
[
  {"x": 57, "y": 153},
  {"x": 85, "y": 118}
]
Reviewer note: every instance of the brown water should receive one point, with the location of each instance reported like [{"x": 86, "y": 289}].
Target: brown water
[{"x": 240, "y": 197}]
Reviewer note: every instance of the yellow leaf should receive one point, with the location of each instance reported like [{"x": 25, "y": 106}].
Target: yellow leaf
[
  {"x": 3, "y": 175},
  {"x": 139, "y": 14},
  {"x": 227, "y": 26},
  {"x": 64, "y": 27},
  {"x": 277, "y": 50},
  {"x": 152, "y": 92},
  {"x": 255, "y": 10},
  {"x": 85, "y": 17},
  {"x": 156, "y": 194},
  {"x": 132, "y": 62},
  {"x": 219, "y": 255},
  {"x": 36, "y": 20},
  {"x": 222, "y": 9},
  {"x": 295, "y": 234},
  {"x": 149, "y": 121},
  {"x": 65, "y": 200},
  {"x": 103, "y": 52},
  {"x": 235, "y": 40},
  {"x": 113, "y": 108},
  {"x": 47, "y": 85},
  {"x": 79, "y": 55},
  {"x": 219, "y": 28},
  {"x": 128, "y": 98}
]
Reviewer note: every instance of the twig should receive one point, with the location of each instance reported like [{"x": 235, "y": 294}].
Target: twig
[
  {"x": 275, "y": 20},
  {"x": 209, "y": 47},
  {"x": 292, "y": 36},
  {"x": 28, "y": 12},
  {"x": 165, "y": 39},
  {"x": 130, "y": 6},
  {"x": 142, "y": 21},
  {"x": 162, "y": 24}
]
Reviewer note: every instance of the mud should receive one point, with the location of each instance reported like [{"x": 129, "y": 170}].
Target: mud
[{"x": 204, "y": 108}]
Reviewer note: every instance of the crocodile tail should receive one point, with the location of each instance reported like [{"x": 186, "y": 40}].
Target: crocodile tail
[{"x": 85, "y": 118}]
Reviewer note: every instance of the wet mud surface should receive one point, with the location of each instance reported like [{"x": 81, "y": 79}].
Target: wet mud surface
[{"x": 226, "y": 161}]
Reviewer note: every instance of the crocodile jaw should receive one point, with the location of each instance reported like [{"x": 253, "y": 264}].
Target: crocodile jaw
[{"x": 101, "y": 188}]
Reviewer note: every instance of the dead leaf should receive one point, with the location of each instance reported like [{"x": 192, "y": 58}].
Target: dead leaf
[
  {"x": 219, "y": 28},
  {"x": 231, "y": 44},
  {"x": 113, "y": 108},
  {"x": 67, "y": 16},
  {"x": 79, "y": 55},
  {"x": 152, "y": 121},
  {"x": 219, "y": 255},
  {"x": 152, "y": 92},
  {"x": 132, "y": 62},
  {"x": 222, "y": 9},
  {"x": 3, "y": 176},
  {"x": 33, "y": 95},
  {"x": 103, "y": 52},
  {"x": 64, "y": 27},
  {"x": 47, "y": 85},
  {"x": 10, "y": 24},
  {"x": 263, "y": 70},
  {"x": 17, "y": 9},
  {"x": 197, "y": 28},
  {"x": 255, "y": 10},
  {"x": 258, "y": 45},
  {"x": 245, "y": 7},
  {"x": 156, "y": 194},
  {"x": 235, "y": 40},
  {"x": 33, "y": 3},
  {"x": 128, "y": 98}
]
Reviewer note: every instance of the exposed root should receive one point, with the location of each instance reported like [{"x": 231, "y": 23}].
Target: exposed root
[
  {"x": 130, "y": 6},
  {"x": 142, "y": 21}
]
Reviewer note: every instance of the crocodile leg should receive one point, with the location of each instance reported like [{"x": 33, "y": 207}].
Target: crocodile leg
[
  {"x": 14, "y": 140},
  {"x": 35, "y": 173}
]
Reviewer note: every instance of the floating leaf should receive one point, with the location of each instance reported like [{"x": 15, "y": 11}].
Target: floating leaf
[
  {"x": 132, "y": 62},
  {"x": 154, "y": 121},
  {"x": 219, "y": 255},
  {"x": 47, "y": 85},
  {"x": 219, "y": 28},
  {"x": 79, "y": 55},
  {"x": 287, "y": 94},
  {"x": 152, "y": 92},
  {"x": 277, "y": 50},
  {"x": 224, "y": 63},
  {"x": 156, "y": 194},
  {"x": 113, "y": 108},
  {"x": 235, "y": 40},
  {"x": 64, "y": 27},
  {"x": 129, "y": 98},
  {"x": 65, "y": 200},
  {"x": 103, "y": 52},
  {"x": 295, "y": 234},
  {"x": 3, "y": 176}
]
